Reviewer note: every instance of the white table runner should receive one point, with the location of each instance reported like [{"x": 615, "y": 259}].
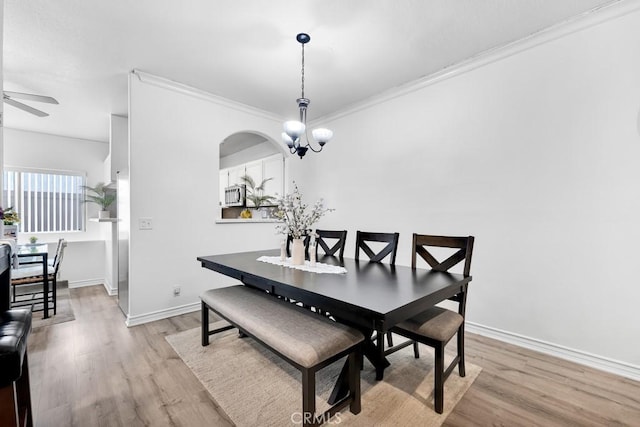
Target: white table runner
[{"x": 318, "y": 268}]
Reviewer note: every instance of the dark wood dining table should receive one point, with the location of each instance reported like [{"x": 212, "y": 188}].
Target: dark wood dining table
[{"x": 370, "y": 296}]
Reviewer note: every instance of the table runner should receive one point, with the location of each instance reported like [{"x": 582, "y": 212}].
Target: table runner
[{"x": 318, "y": 268}]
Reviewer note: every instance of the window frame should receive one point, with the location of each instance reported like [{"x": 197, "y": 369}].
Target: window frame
[{"x": 82, "y": 209}]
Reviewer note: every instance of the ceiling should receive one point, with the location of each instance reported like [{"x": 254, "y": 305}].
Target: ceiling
[{"x": 80, "y": 51}]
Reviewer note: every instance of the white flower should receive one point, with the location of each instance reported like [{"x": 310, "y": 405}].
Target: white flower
[{"x": 293, "y": 212}]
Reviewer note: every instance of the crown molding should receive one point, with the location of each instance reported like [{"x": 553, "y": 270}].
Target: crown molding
[
  {"x": 572, "y": 25},
  {"x": 184, "y": 89}
]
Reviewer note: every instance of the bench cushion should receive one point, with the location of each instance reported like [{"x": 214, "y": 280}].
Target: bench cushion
[
  {"x": 304, "y": 337},
  {"x": 436, "y": 323}
]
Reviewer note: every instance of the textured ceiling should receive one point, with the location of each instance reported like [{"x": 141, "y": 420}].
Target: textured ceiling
[{"x": 80, "y": 51}]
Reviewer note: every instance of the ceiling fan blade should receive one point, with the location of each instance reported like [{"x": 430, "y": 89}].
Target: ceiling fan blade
[
  {"x": 31, "y": 97},
  {"x": 24, "y": 107}
]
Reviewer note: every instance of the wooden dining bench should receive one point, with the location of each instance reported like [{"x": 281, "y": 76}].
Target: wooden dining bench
[{"x": 302, "y": 338}]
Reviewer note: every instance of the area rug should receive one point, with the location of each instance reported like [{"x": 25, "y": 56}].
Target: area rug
[
  {"x": 255, "y": 387},
  {"x": 64, "y": 310}
]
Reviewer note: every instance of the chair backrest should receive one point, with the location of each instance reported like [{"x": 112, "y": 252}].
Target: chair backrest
[
  {"x": 306, "y": 245},
  {"x": 340, "y": 238},
  {"x": 422, "y": 242},
  {"x": 58, "y": 249},
  {"x": 58, "y": 259},
  {"x": 362, "y": 237}
]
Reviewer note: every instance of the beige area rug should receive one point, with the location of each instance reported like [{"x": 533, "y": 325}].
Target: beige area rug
[
  {"x": 256, "y": 388},
  {"x": 64, "y": 310}
]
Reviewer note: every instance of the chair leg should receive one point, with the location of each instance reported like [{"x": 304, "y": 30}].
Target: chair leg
[
  {"x": 416, "y": 350},
  {"x": 389, "y": 339},
  {"x": 308, "y": 397},
  {"x": 461, "y": 368},
  {"x": 438, "y": 387},
  {"x": 55, "y": 296},
  {"x": 354, "y": 380}
]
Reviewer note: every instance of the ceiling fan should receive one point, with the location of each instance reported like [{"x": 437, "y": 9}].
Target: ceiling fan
[{"x": 8, "y": 98}]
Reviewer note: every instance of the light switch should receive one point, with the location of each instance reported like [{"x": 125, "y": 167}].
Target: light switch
[{"x": 145, "y": 224}]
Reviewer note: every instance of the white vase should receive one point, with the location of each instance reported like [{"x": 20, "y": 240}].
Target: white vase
[
  {"x": 297, "y": 252},
  {"x": 104, "y": 214}
]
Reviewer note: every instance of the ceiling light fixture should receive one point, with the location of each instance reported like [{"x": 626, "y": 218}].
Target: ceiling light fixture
[{"x": 295, "y": 130}]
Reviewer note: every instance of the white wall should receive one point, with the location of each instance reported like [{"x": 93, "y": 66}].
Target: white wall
[
  {"x": 84, "y": 257},
  {"x": 175, "y": 134},
  {"x": 536, "y": 154}
]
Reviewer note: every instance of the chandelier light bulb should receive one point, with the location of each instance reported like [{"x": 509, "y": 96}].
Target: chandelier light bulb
[
  {"x": 294, "y": 129},
  {"x": 322, "y": 135}
]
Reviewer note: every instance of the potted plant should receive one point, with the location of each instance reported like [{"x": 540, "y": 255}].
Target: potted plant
[
  {"x": 8, "y": 225},
  {"x": 255, "y": 193},
  {"x": 100, "y": 196}
]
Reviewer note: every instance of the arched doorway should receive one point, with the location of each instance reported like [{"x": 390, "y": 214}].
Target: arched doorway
[{"x": 257, "y": 156}]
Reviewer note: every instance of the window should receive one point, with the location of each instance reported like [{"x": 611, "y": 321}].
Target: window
[{"x": 47, "y": 201}]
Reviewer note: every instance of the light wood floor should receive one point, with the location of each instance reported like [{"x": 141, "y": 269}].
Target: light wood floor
[{"x": 95, "y": 371}]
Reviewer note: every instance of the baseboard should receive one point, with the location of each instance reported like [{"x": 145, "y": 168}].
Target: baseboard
[
  {"x": 110, "y": 291},
  {"x": 617, "y": 367},
  {"x": 83, "y": 283},
  {"x": 162, "y": 314}
]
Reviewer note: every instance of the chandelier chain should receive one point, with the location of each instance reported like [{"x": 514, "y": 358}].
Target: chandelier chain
[{"x": 302, "y": 70}]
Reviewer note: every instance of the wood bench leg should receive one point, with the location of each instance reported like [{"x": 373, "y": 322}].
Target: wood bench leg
[
  {"x": 205, "y": 324},
  {"x": 308, "y": 397}
]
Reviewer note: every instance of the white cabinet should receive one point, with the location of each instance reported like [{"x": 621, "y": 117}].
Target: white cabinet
[
  {"x": 269, "y": 167},
  {"x": 273, "y": 167},
  {"x": 254, "y": 170},
  {"x": 223, "y": 183},
  {"x": 234, "y": 175}
]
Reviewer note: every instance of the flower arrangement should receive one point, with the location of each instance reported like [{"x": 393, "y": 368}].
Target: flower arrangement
[
  {"x": 9, "y": 216},
  {"x": 296, "y": 221}
]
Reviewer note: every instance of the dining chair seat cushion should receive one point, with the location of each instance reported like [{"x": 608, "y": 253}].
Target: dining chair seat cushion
[
  {"x": 300, "y": 335},
  {"x": 436, "y": 323},
  {"x": 15, "y": 325},
  {"x": 31, "y": 271}
]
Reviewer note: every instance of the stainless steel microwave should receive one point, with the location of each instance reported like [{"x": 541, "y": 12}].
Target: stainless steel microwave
[{"x": 235, "y": 195}]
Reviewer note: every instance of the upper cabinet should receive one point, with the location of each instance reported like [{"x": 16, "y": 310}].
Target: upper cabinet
[
  {"x": 273, "y": 167},
  {"x": 270, "y": 167}
]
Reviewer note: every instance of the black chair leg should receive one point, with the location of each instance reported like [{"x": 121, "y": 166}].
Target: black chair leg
[
  {"x": 354, "y": 380},
  {"x": 55, "y": 296},
  {"x": 438, "y": 387},
  {"x": 389, "y": 339},
  {"x": 461, "y": 368},
  {"x": 416, "y": 350}
]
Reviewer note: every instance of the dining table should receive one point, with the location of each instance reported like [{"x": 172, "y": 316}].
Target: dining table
[
  {"x": 371, "y": 296},
  {"x": 37, "y": 254}
]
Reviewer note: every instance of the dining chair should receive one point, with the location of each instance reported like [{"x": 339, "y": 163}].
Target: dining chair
[
  {"x": 437, "y": 326},
  {"x": 52, "y": 262},
  {"x": 33, "y": 275},
  {"x": 390, "y": 249},
  {"x": 337, "y": 238}
]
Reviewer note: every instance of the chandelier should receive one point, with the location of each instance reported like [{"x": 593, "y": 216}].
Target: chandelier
[{"x": 295, "y": 132}]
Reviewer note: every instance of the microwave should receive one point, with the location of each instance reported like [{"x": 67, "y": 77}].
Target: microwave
[{"x": 234, "y": 195}]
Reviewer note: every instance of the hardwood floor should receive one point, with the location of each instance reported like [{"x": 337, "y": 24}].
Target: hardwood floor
[{"x": 94, "y": 371}]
